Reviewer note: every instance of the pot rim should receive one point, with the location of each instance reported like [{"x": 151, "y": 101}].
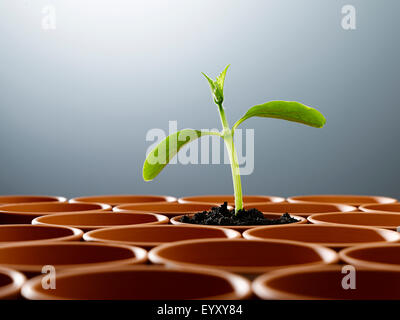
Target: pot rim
[
  {"x": 123, "y": 207},
  {"x": 388, "y": 235},
  {"x": 345, "y": 255},
  {"x": 90, "y": 236},
  {"x": 367, "y": 208},
  {"x": 294, "y": 199},
  {"x": 140, "y": 256},
  {"x": 76, "y": 233},
  {"x": 103, "y": 207},
  {"x": 86, "y": 199},
  {"x": 339, "y": 207},
  {"x": 264, "y": 292},
  {"x": 52, "y": 199},
  {"x": 241, "y": 287},
  {"x": 187, "y": 199},
  {"x": 175, "y": 221},
  {"x": 327, "y": 255},
  {"x": 161, "y": 219},
  {"x": 312, "y": 219},
  {"x": 12, "y": 289}
]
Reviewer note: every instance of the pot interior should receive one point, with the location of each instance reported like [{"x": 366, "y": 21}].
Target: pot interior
[
  {"x": 326, "y": 284},
  {"x": 359, "y": 218},
  {"x": 139, "y": 285},
  {"x": 50, "y": 207},
  {"x": 319, "y": 234},
  {"x": 98, "y": 219},
  {"x": 5, "y": 280},
  {"x": 382, "y": 254},
  {"x": 308, "y": 208},
  {"x": 31, "y": 232},
  {"x": 61, "y": 254},
  {"x": 240, "y": 253},
  {"x": 158, "y": 234},
  {"x": 168, "y": 207}
]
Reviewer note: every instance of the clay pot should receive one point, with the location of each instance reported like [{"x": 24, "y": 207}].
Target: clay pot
[
  {"x": 115, "y": 200},
  {"x": 335, "y": 237},
  {"x": 151, "y": 236},
  {"x": 352, "y": 200},
  {"x": 11, "y": 282},
  {"x": 220, "y": 199},
  {"x": 11, "y": 233},
  {"x": 389, "y": 208},
  {"x": 247, "y": 257},
  {"x": 25, "y": 213},
  {"x": 13, "y": 199},
  {"x": 324, "y": 282},
  {"x": 376, "y": 256},
  {"x": 97, "y": 220},
  {"x": 141, "y": 283},
  {"x": 30, "y": 258},
  {"x": 300, "y": 209},
  {"x": 378, "y": 220},
  {"x": 176, "y": 220},
  {"x": 168, "y": 209}
]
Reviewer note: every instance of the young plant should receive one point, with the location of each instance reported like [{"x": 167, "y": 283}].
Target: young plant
[{"x": 160, "y": 156}]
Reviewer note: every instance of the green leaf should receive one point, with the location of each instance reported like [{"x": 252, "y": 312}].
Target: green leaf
[
  {"x": 285, "y": 110},
  {"x": 217, "y": 86},
  {"x": 221, "y": 80},
  {"x": 162, "y": 154}
]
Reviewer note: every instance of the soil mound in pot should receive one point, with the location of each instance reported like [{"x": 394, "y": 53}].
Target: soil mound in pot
[{"x": 222, "y": 216}]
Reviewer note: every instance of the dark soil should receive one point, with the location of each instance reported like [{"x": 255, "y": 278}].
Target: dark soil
[{"x": 221, "y": 216}]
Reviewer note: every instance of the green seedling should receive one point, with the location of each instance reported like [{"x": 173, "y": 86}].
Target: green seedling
[{"x": 161, "y": 155}]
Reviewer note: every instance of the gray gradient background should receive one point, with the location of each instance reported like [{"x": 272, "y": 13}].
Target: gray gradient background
[{"x": 76, "y": 103}]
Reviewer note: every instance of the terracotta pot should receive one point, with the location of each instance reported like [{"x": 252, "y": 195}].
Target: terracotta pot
[
  {"x": 247, "y": 257},
  {"x": 151, "y": 236},
  {"x": 390, "y": 208},
  {"x": 11, "y": 282},
  {"x": 168, "y": 209},
  {"x": 141, "y": 283},
  {"x": 376, "y": 256},
  {"x": 30, "y": 258},
  {"x": 176, "y": 220},
  {"x": 378, "y": 220},
  {"x": 352, "y": 200},
  {"x": 220, "y": 199},
  {"x": 115, "y": 200},
  {"x": 25, "y": 213},
  {"x": 11, "y": 233},
  {"x": 98, "y": 220},
  {"x": 300, "y": 209},
  {"x": 324, "y": 282},
  {"x": 335, "y": 237},
  {"x": 12, "y": 199}
]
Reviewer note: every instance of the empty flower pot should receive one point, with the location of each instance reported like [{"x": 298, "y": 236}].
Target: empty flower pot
[
  {"x": 151, "y": 236},
  {"x": 25, "y": 213},
  {"x": 378, "y": 220},
  {"x": 325, "y": 282},
  {"x": 168, "y": 209},
  {"x": 115, "y": 200},
  {"x": 335, "y": 237},
  {"x": 376, "y": 256},
  {"x": 96, "y": 220},
  {"x": 220, "y": 199},
  {"x": 352, "y": 200},
  {"x": 141, "y": 283},
  {"x": 390, "y": 208},
  {"x": 247, "y": 257},
  {"x": 30, "y": 258},
  {"x": 11, "y": 233},
  {"x": 12, "y": 199},
  {"x": 300, "y": 209},
  {"x": 177, "y": 220},
  {"x": 11, "y": 282}
]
